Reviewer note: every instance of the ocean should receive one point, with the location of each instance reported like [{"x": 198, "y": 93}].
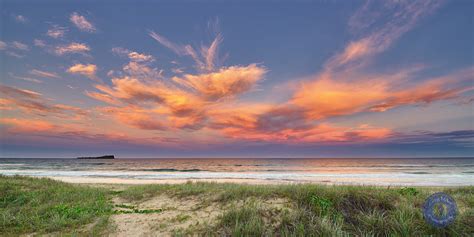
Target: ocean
[{"x": 373, "y": 171}]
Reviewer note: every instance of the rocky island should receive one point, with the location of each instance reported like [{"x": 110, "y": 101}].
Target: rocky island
[{"x": 96, "y": 157}]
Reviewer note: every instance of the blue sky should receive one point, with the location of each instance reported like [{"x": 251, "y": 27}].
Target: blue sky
[{"x": 236, "y": 79}]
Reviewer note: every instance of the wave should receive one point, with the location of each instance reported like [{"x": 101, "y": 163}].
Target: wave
[
  {"x": 418, "y": 172},
  {"x": 171, "y": 170}
]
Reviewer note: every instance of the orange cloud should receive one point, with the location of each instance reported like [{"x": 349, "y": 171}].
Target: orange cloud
[
  {"x": 26, "y": 125},
  {"x": 328, "y": 95},
  {"x": 269, "y": 123},
  {"x": 133, "y": 56},
  {"x": 316, "y": 133},
  {"x": 103, "y": 97},
  {"x": 325, "y": 97},
  {"x": 71, "y": 48},
  {"x": 87, "y": 70},
  {"x": 185, "y": 107},
  {"x": 135, "y": 117},
  {"x": 227, "y": 82},
  {"x": 33, "y": 102}
]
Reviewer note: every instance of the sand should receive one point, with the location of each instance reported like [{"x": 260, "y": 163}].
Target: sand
[{"x": 178, "y": 215}]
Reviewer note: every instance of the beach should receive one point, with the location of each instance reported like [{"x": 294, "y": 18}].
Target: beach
[
  {"x": 39, "y": 206},
  {"x": 231, "y": 197},
  {"x": 434, "y": 172}
]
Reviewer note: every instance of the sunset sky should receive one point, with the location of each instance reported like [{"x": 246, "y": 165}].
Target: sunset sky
[{"x": 236, "y": 79}]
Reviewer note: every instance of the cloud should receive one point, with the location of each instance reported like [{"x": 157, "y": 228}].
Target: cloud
[
  {"x": 326, "y": 97},
  {"x": 285, "y": 124},
  {"x": 227, "y": 82},
  {"x": 56, "y": 32},
  {"x": 177, "y": 70},
  {"x": 450, "y": 86},
  {"x": 211, "y": 53},
  {"x": 13, "y": 54},
  {"x": 205, "y": 61},
  {"x": 137, "y": 57},
  {"x": 133, "y": 56},
  {"x": 320, "y": 133},
  {"x": 379, "y": 24},
  {"x": 39, "y": 43},
  {"x": 459, "y": 138},
  {"x": 44, "y": 133},
  {"x": 185, "y": 102},
  {"x": 15, "y": 45},
  {"x": 329, "y": 96},
  {"x": 88, "y": 70},
  {"x": 40, "y": 73},
  {"x": 136, "y": 117},
  {"x": 82, "y": 23},
  {"x": 14, "y": 49},
  {"x": 103, "y": 97},
  {"x": 143, "y": 97},
  {"x": 72, "y": 48},
  {"x": 21, "y": 19},
  {"x": 27, "y": 126},
  {"x": 25, "y": 78},
  {"x": 19, "y": 46},
  {"x": 180, "y": 106},
  {"x": 3, "y": 45},
  {"x": 34, "y": 102},
  {"x": 178, "y": 49},
  {"x": 142, "y": 71}
]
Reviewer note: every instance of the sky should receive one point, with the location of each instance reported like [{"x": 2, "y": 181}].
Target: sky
[{"x": 236, "y": 79}]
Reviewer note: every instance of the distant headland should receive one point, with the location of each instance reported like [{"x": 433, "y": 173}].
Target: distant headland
[{"x": 97, "y": 157}]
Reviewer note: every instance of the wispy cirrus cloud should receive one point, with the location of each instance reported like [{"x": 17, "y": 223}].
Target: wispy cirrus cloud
[
  {"x": 206, "y": 58},
  {"x": 378, "y": 25},
  {"x": 33, "y": 102},
  {"x": 40, "y": 73},
  {"x": 24, "y": 78},
  {"x": 14, "y": 46},
  {"x": 82, "y": 23},
  {"x": 15, "y": 49},
  {"x": 72, "y": 48}
]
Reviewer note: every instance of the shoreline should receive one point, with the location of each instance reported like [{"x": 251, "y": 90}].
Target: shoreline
[{"x": 120, "y": 181}]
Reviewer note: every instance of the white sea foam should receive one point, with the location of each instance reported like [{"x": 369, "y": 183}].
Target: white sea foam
[{"x": 342, "y": 178}]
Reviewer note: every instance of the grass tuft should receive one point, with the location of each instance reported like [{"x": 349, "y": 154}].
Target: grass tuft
[{"x": 32, "y": 205}]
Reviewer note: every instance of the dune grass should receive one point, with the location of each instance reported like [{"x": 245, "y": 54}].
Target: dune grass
[
  {"x": 319, "y": 210},
  {"x": 32, "y": 205}
]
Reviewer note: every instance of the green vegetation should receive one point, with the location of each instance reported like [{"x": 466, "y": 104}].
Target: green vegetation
[
  {"x": 317, "y": 210},
  {"x": 30, "y": 205}
]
